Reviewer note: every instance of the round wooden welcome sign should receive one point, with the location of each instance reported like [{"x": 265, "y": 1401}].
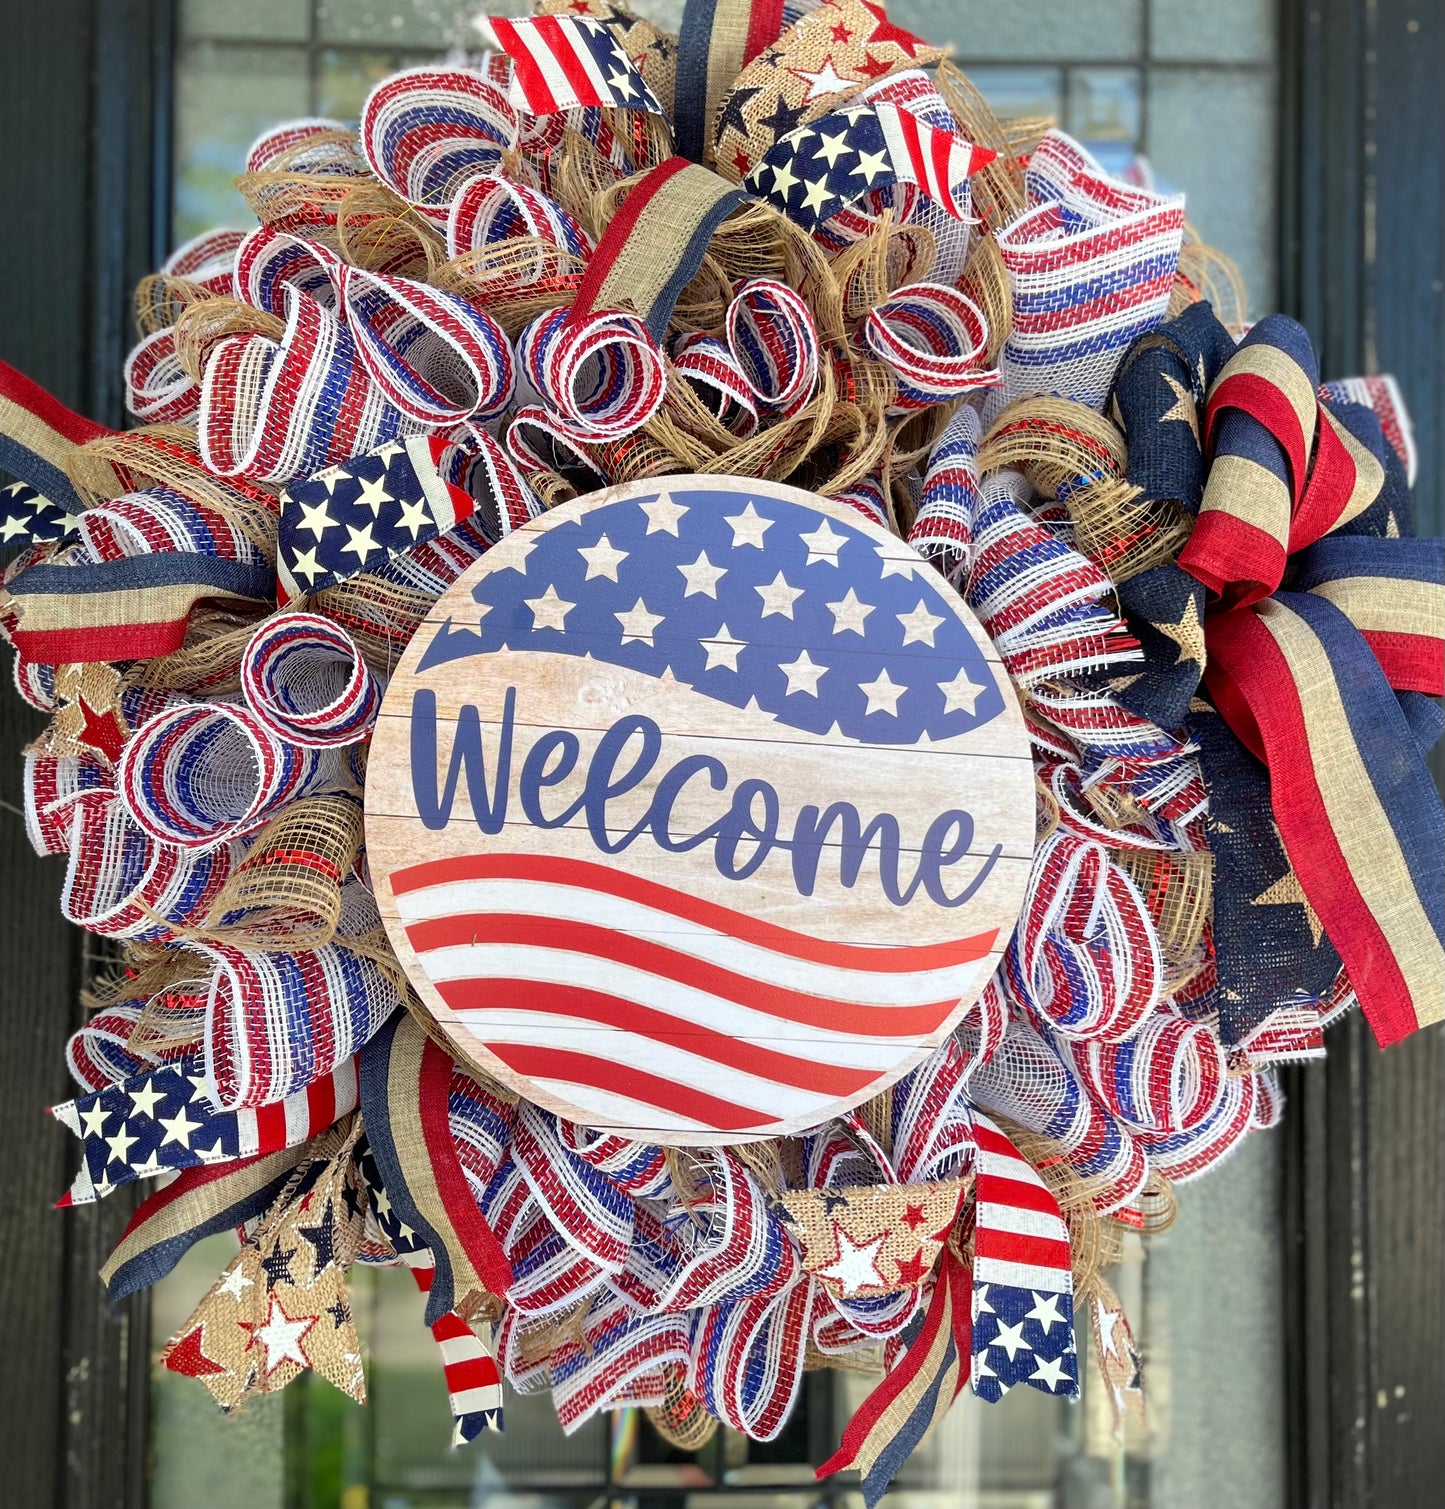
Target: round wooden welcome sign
[{"x": 702, "y": 810}]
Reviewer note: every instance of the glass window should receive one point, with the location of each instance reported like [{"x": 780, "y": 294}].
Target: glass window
[{"x": 1193, "y": 89}]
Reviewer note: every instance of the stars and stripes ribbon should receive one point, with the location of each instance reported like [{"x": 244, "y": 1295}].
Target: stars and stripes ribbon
[
  {"x": 817, "y": 170},
  {"x": 166, "y": 1118},
  {"x": 360, "y": 513},
  {"x": 828, "y": 56},
  {"x": 405, "y": 1087},
  {"x": 1023, "y": 1286},
  {"x": 1317, "y": 683},
  {"x": 716, "y": 41},
  {"x": 570, "y": 63},
  {"x": 26, "y": 515},
  {"x": 474, "y": 1386},
  {"x": 652, "y": 50}
]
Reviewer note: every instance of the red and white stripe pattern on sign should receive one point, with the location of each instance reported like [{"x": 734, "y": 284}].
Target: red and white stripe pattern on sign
[
  {"x": 563, "y": 63},
  {"x": 557, "y": 966},
  {"x": 474, "y": 1386}
]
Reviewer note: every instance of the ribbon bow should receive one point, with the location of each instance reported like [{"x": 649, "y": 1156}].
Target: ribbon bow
[{"x": 1325, "y": 630}]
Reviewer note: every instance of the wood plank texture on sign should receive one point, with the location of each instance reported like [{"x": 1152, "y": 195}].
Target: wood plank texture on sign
[{"x": 781, "y": 906}]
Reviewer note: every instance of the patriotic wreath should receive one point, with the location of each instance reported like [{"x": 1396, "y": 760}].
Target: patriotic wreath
[{"x": 790, "y": 243}]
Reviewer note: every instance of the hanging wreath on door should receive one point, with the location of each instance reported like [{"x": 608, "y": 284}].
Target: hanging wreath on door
[{"x": 723, "y": 705}]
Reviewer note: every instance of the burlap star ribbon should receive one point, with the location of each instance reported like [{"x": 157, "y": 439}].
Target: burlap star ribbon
[
  {"x": 282, "y": 1305},
  {"x": 831, "y": 55}
]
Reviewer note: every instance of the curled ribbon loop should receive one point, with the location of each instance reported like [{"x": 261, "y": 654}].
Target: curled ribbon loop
[
  {"x": 1085, "y": 956},
  {"x": 159, "y": 520},
  {"x": 943, "y": 526},
  {"x": 206, "y": 260},
  {"x": 432, "y": 354},
  {"x": 276, "y": 1023},
  {"x": 713, "y": 373},
  {"x": 121, "y": 883},
  {"x": 603, "y": 374},
  {"x": 199, "y": 776},
  {"x": 1029, "y": 1081},
  {"x": 489, "y": 210},
  {"x": 425, "y": 131},
  {"x": 774, "y": 343},
  {"x": 279, "y": 411},
  {"x": 1090, "y": 266},
  {"x": 1186, "y": 1154},
  {"x": 934, "y": 339},
  {"x": 304, "y": 679},
  {"x": 1040, "y": 601},
  {"x": 158, "y": 389},
  {"x": 1168, "y": 1077}
]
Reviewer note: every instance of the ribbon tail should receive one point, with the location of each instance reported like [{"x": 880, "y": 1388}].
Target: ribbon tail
[
  {"x": 405, "y": 1088},
  {"x": 898, "y": 1415},
  {"x": 1023, "y": 1282},
  {"x": 38, "y": 434},
  {"x": 474, "y": 1386},
  {"x": 198, "y": 1203},
  {"x": 1357, "y": 811}
]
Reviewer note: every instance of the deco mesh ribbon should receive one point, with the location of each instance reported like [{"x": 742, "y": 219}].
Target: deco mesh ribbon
[{"x": 788, "y": 243}]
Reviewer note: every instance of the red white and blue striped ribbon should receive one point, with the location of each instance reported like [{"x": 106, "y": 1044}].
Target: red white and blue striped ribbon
[
  {"x": 933, "y": 337},
  {"x": 201, "y": 774},
  {"x": 1091, "y": 265},
  {"x": 426, "y": 130},
  {"x": 304, "y": 679}
]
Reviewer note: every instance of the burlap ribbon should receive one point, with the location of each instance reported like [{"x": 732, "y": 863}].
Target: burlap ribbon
[{"x": 1328, "y": 709}]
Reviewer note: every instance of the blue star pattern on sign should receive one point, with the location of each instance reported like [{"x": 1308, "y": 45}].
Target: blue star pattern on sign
[
  {"x": 1023, "y": 1336},
  {"x": 760, "y": 602}
]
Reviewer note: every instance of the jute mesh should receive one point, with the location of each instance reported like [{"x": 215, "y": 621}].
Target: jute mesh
[
  {"x": 164, "y": 455},
  {"x": 1177, "y": 888},
  {"x": 286, "y": 893}
]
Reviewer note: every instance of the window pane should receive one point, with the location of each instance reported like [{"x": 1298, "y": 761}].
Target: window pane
[{"x": 225, "y": 96}]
